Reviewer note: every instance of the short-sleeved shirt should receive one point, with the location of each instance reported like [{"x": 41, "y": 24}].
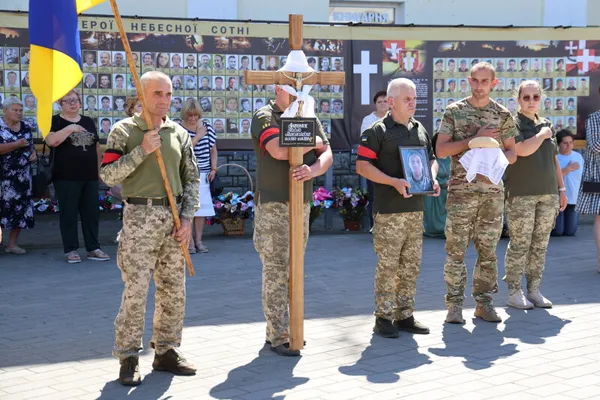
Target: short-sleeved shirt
[
  {"x": 379, "y": 145},
  {"x": 76, "y": 159},
  {"x": 272, "y": 176},
  {"x": 572, "y": 179},
  {"x": 203, "y": 147},
  {"x": 462, "y": 121},
  {"x": 534, "y": 174}
]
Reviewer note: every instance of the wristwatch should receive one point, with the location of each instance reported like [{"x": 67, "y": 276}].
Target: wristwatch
[{"x": 562, "y": 189}]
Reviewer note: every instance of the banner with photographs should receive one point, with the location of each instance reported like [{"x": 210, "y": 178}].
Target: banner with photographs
[{"x": 206, "y": 60}]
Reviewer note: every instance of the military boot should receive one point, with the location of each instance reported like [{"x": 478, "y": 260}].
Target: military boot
[
  {"x": 487, "y": 312},
  {"x": 284, "y": 350},
  {"x": 411, "y": 325},
  {"x": 454, "y": 315},
  {"x": 385, "y": 328},
  {"x": 173, "y": 362},
  {"x": 129, "y": 374}
]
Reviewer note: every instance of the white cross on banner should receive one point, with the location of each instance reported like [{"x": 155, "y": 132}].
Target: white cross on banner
[
  {"x": 584, "y": 59},
  {"x": 571, "y": 47},
  {"x": 394, "y": 50},
  {"x": 365, "y": 69}
]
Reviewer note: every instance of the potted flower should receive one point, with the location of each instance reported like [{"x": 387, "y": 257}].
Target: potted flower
[
  {"x": 232, "y": 210},
  {"x": 322, "y": 199},
  {"x": 352, "y": 205}
]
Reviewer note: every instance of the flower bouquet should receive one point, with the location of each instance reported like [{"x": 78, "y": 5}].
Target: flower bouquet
[
  {"x": 352, "y": 205},
  {"x": 46, "y": 205},
  {"x": 232, "y": 210},
  {"x": 322, "y": 199}
]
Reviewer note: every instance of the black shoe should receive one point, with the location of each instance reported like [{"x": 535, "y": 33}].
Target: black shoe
[
  {"x": 284, "y": 350},
  {"x": 173, "y": 362},
  {"x": 411, "y": 325},
  {"x": 269, "y": 342},
  {"x": 384, "y": 328},
  {"x": 129, "y": 374}
]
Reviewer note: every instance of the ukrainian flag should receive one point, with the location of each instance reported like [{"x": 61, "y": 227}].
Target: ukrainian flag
[{"x": 55, "y": 66}]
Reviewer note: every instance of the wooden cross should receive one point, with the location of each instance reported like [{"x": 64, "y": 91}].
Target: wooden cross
[{"x": 297, "y": 80}]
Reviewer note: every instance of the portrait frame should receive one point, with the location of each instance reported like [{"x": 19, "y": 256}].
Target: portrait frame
[{"x": 407, "y": 152}]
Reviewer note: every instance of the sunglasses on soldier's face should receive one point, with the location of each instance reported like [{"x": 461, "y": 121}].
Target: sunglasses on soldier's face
[{"x": 535, "y": 97}]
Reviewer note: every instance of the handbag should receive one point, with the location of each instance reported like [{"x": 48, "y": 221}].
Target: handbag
[
  {"x": 216, "y": 187},
  {"x": 43, "y": 177},
  {"x": 590, "y": 187}
]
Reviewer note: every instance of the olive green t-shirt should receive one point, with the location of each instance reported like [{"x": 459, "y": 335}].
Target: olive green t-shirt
[
  {"x": 272, "y": 176},
  {"x": 535, "y": 174},
  {"x": 146, "y": 181},
  {"x": 379, "y": 145}
]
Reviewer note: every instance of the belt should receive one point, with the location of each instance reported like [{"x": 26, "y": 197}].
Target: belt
[{"x": 155, "y": 202}]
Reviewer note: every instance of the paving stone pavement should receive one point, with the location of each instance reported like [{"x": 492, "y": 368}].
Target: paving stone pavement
[{"x": 56, "y": 331}]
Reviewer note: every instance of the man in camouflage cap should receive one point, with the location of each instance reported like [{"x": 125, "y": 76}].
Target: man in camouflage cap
[
  {"x": 149, "y": 244},
  {"x": 475, "y": 209},
  {"x": 397, "y": 238},
  {"x": 271, "y": 221}
]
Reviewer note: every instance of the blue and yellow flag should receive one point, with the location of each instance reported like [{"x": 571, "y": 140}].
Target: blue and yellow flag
[{"x": 55, "y": 66}]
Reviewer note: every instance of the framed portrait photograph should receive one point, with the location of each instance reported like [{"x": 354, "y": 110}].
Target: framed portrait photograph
[{"x": 415, "y": 166}]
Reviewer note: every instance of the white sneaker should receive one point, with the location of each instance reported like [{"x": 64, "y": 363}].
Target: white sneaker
[
  {"x": 538, "y": 300},
  {"x": 517, "y": 300}
]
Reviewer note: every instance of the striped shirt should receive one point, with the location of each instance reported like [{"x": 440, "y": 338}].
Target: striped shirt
[{"x": 203, "y": 147}]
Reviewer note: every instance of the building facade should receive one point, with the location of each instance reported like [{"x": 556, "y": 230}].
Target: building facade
[{"x": 418, "y": 12}]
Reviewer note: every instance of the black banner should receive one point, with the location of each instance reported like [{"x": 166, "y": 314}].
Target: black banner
[{"x": 206, "y": 61}]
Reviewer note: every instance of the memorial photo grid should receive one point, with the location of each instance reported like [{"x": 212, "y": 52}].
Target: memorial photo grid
[
  {"x": 214, "y": 79},
  {"x": 559, "y": 103}
]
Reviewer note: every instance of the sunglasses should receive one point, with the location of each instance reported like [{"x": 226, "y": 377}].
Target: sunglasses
[{"x": 535, "y": 97}]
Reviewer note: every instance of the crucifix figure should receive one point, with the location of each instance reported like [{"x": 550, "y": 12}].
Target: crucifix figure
[{"x": 283, "y": 131}]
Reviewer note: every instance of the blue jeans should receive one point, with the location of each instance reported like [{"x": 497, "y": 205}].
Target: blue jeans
[{"x": 566, "y": 222}]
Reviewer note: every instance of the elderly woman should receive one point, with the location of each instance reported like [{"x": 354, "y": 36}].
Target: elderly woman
[
  {"x": 16, "y": 155},
  {"x": 204, "y": 140},
  {"x": 75, "y": 141}
]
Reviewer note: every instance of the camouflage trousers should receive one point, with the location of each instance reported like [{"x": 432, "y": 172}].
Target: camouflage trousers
[
  {"x": 530, "y": 221},
  {"x": 398, "y": 243},
  {"x": 146, "y": 249},
  {"x": 476, "y": 215},
  {"x": 271, "y": 241}
]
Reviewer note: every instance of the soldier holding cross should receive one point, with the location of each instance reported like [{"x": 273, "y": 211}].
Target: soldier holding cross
[{"x": 271, "y": 222}]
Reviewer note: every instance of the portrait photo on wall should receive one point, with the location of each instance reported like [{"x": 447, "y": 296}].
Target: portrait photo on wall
[{"x": 415, "y": 166}]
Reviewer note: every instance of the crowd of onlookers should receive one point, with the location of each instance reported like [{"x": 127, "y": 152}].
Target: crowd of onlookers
[{"x": 74, "y": 162}]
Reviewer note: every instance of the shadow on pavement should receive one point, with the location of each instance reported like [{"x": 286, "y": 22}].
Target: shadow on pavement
[
  {"x": 383, "y": 359},
  {"x": 264, "y": 376}
]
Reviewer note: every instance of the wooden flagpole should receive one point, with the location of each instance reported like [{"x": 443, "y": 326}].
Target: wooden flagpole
[{"x": 159, "y": 158}]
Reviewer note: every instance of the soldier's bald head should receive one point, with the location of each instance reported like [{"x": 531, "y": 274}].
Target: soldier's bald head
[
  {"x": 396, "y": 86},
  {"x": 153, "y": 76}
]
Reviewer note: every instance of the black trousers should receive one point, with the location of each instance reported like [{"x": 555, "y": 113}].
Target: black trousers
[{"x": 78, "y": 199}]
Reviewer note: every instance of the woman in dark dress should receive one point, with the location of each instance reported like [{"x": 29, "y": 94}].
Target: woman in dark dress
[
  {"x": 75, "y": 173},
  {"x": 16, "y": 155}
]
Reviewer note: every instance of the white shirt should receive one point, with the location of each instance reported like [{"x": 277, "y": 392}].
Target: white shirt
[
  {"x": 573, "y": 178},
  {"x": 368, "y": 121}
]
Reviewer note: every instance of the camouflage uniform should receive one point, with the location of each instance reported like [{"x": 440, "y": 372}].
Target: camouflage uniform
[
  {"x": 271, "y": 241},
  {"x": 271, "y": 220},
  {"x": 475, "y": 210},
  {"x": 398, "y": 243},
  {"x": 531, "y": 207},
  {"x": 398, "y": 229},
  {"x": 146, "y": 246}
]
